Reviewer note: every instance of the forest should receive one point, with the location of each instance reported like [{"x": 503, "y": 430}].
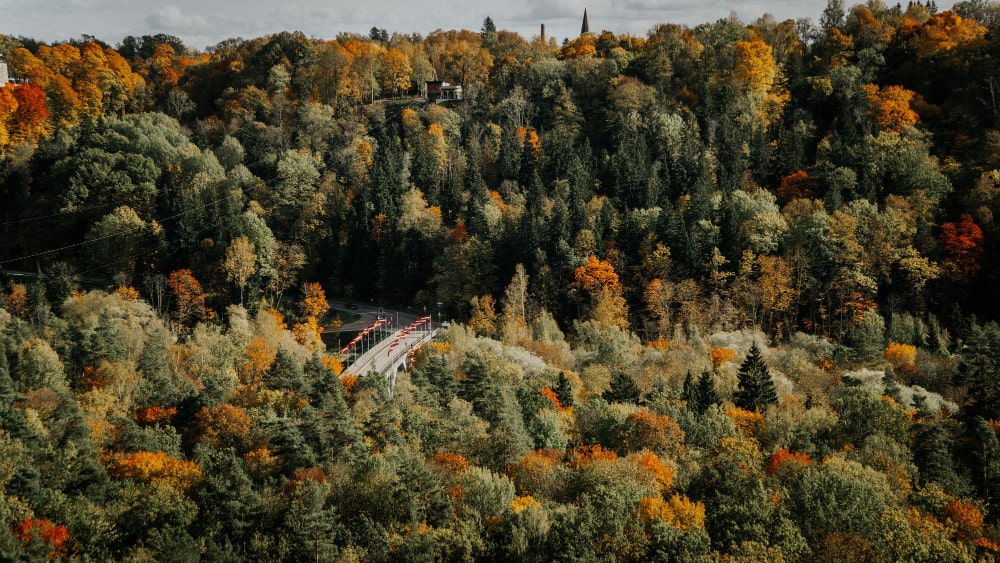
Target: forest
[{"x": 717, "y": 293}]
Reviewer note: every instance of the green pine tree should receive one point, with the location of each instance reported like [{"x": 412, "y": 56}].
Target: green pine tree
[
  {"x": 689, "y": 392},
  {"x": 705, "y": 392},
  {"x": 622, "y": 389},
  {"x": 564, "y": 392},
  {"x": 756, "y": 388}
]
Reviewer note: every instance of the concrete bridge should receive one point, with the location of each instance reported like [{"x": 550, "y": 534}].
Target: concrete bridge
[{"x": 391, "y": 353}]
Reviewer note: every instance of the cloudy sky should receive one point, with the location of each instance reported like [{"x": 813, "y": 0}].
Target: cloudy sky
[{"x": 200, "y": 23}]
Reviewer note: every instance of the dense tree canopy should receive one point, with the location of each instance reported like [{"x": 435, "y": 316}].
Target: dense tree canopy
[{"x": 802, "y": 213}]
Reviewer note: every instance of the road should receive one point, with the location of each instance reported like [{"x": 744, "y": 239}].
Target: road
[{"x": 369, "y": 314}]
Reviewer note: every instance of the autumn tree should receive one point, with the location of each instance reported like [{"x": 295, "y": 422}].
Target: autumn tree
[
  {"x": 484, "y": 315},
  {"x": 189, "y": 298},
  {"x": 963, "y": 242},
  {"x": 890, "y": 106},
  {"x": 240, "y": 263},
  {"x": 314, "y": 303},
  {"x": 600, "y": 282}
]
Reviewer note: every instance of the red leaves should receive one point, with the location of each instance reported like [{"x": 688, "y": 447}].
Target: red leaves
[
  {"x": 782, "y": 457},
  {"x": 963, "y": 243},
  {"x": 796, "y": 186},
  {"x": 32, "y": 112},
  {"x": 54, "y": 535},
  {"x": 155, "y": 415}
]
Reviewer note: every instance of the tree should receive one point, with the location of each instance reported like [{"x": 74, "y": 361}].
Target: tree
[
  {"x": 488, "y": 33},
  {"x": 314, "y": 303},
  {"x": 622, "y": 389},
  {"x": 241, "y": 262},
  {"x": 289, "y": 261},
  {"x": 189, "y": 306},
  {"x": 564, "y": 391},
  {"x": 484, "y": 316},
  {"x": 963, "y": 242},
  {"x": 756, "y": 388}
]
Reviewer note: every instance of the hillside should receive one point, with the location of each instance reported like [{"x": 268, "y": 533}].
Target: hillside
[{"x": 717, "y": 293}]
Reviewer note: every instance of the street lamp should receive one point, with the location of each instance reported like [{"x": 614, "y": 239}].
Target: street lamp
[{"x": 440, "y": 304}]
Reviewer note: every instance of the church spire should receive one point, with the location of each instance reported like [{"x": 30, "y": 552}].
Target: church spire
[{"x": 586, "y": 25}]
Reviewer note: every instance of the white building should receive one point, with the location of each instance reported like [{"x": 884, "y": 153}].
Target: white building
[{"x": 4, "y": 77}]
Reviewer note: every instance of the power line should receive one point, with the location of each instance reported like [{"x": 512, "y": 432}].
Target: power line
[
  {"x": 59, "y": 214},
  {"x": 112, "y": 235}
]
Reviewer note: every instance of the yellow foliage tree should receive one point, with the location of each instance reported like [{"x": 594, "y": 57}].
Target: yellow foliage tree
[
  {"x": 754, "y": 65},
  {"x": 678, "y": 511},
  {"x": 314, "y": 303},
  {"x": 902, "y": 357}
]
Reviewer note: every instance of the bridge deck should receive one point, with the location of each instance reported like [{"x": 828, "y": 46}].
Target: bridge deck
[{"x": 384, "y": 361}]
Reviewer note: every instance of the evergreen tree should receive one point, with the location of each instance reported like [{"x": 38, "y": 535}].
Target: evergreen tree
[
  {"x": 489, "y": 33},
  {"x": 689, "y": 392},
  {"x": 478, "y": 386},
  {"x": 6, "y": 383},
  {"x": 985, "y": 449},
  {"x": 286, "y": 373},
  {"x": 932, "y": 453},
  {"x": 891, "y": 385},
  {"x": 756, "y": 388},
  {"x": 106, "y": 343},
  {"x": 706, "y": 392},
  {"x": 564, "y": 392},
  {"x": 622, "y": 389}
]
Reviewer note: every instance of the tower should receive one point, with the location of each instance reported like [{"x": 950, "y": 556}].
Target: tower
[{"x": 585, "y": 28}]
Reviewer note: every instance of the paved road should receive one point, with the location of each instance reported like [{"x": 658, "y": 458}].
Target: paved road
[{"x": 369, "y": 314}]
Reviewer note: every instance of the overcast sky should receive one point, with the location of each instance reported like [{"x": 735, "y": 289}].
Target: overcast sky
[{"x": 201, "y": 23}]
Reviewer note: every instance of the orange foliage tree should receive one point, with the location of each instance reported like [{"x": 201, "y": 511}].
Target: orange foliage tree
[
  {"x": 796, "y": 186},
  {"x": 190, "y": 298},
  {"x": 600, "y": 281},
  {"x": 156, "y": 467},
  {"x": 890, "y": 106},
  {"x": 964, "y": 243},
  {"x": 455, "y": 463},
  {"x": 155, "y": 415},
  {"x": 260, "y": 354},
  {"x": 967, "y": 517},
  {"x": 651, "y": 462},
  {"x": 722, "y": 355},
  {"x": 23, "y": 114},
  {"x": 17, "y": 301},
  {"x": 947, "y": 35},
  {"x": 597, "y": 276}
]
